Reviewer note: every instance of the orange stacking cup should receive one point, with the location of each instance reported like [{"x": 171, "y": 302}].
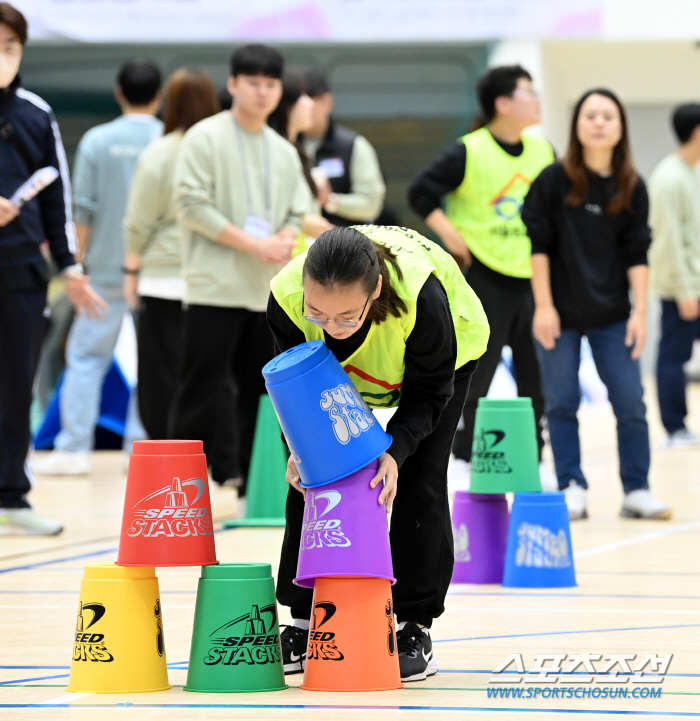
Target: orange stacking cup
[
  {"x": 167, "y": 511},
  {"x": 339, "y": 658}
]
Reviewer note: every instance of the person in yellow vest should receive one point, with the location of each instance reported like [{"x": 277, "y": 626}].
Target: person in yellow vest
[
  {"x": 399, "y": 316},
  {"x": 485, "y": 177}
]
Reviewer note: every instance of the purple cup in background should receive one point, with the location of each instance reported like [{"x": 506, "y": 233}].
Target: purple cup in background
[
  {"x": 480, "y": 530},
  {"x": 345, "y": 531}
]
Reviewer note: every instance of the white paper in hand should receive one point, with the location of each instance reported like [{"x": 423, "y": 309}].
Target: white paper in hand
[{"x": 33, "y": 186}]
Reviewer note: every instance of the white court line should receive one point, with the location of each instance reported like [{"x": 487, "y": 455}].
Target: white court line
[
  {"x": 62, "y": 699},
  {"x": 549, "y": 609},
  {"x": 638, "y": 539}
]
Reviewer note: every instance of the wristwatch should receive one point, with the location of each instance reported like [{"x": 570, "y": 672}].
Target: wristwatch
[{"x": 75, "y": 269}]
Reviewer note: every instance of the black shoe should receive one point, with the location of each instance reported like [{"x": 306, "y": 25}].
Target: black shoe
[
  {"x": 416, "y": 659},
  {"x": 294, "y": 642}
]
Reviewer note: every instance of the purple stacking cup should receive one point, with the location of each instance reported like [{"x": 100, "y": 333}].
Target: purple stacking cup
[
  {"x": 345, "y": 532},
  {"x": 480, "y": 530}
]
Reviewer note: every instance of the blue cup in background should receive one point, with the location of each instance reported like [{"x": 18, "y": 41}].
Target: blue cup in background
[{"x": 539, "y": 552}]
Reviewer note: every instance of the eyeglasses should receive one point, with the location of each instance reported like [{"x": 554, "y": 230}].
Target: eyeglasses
[
  {"x": 526, "y": 91},
  {"x": 340, "y": 323}
]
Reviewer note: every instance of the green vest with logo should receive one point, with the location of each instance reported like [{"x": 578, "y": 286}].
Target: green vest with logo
[
  {"x": 377, "y": 366},
  {"x": 486, "y": 207}
]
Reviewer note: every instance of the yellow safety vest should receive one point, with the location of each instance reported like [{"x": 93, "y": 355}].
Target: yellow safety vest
[
  {"x": 377, "y": 367},
  {"x": 486, "y": 207}
]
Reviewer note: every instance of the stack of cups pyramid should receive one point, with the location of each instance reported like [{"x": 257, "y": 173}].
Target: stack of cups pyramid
[
  {"x": 532, "y": 547},
  {"x": 344, "y": 555},
  {"x": 119, "y": 644}
]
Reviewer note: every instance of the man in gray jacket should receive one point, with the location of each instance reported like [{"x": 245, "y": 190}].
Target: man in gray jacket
[
  {"x": 240, "y": 194},
  {"x": 674, "y": 260}
]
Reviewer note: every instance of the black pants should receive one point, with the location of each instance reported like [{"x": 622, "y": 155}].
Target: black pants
[
  {"x": 221, "y": 346},
  {"x": 159, "y": 358},
  {"x": 23, "y": 326},
  {"x": 509, "y": 306},
  {"x": 421, "y": 531}
]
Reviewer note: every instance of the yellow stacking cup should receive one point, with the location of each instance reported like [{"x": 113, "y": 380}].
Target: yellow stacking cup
[{"x": 118, "y": 645}]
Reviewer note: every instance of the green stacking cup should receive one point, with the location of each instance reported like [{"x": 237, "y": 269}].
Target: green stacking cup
[
  {"x": 504, "y": 452},
  {"x": 236, "y": 635}
]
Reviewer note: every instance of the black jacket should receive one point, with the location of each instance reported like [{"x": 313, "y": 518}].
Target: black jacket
[
  {"x": 48, "y": 216},
  {"x": 589, "y": 250}
]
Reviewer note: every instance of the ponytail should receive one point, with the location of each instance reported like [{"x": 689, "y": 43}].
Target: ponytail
[{"x": 343, "y": 256}]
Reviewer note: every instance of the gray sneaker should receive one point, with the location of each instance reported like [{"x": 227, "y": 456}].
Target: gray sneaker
[
  {"x": 642, "y": 504},
  {"x": 26, "y": 522},
  {"x": 682, "y": 438}
]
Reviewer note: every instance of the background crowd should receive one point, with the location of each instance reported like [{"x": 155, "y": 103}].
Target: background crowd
[{"x": 183, "y": 213}]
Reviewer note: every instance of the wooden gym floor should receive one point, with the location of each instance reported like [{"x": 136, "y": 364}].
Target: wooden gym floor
[{"x": 638, "y": 593}]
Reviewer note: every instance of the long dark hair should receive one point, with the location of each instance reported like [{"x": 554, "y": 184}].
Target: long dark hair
[
  {"x": 190, "y": 96},
  {"x": 344, "y": 256},
  {"x": 293, "y": 88},
  {"x": 623, "y": 168}
]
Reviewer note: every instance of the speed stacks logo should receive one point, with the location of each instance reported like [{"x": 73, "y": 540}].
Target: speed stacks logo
[
  {"x": 172, "y": 511},
  {"x": 90, "y": 646},
  {"x": 250, "y": 642}
]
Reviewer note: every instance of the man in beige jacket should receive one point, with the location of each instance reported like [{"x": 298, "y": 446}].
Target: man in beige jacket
[
  {"x": 240, "y": 195},
  {"x": 675, "y": 269}
]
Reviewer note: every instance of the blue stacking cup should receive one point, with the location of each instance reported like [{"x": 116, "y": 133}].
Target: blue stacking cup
[
  {"x": 539, "y": 552},
  {"x": 329, "y": 427}
]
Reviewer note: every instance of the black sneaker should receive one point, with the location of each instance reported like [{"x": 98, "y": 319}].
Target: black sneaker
[
  {"x": 416, "y": 659},
  {"x": 294, "y": 642}
]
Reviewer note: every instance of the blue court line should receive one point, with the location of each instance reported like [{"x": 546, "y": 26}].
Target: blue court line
[
  {"x": 327, "y": 707},
  {"x": 58, "y": 560},
  {"x": 37, "y": 678},
  {"x": 43, "y": 668},
  {"x": 636, "y": 573},
  {"x": 564, "y": 633},
  {"x": 568, "y": 595}
]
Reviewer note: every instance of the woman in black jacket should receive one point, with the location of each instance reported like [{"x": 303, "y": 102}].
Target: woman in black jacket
[{"x": 587, "y": 219}]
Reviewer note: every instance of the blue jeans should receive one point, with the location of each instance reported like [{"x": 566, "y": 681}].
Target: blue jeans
[
  {"x": 89, "y": 353},
  {"x": 675, "y": 349},
  {"x": 622, "y": 378}
]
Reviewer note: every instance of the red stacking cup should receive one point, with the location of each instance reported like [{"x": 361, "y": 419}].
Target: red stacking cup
[{"x": 167, "y": 510}]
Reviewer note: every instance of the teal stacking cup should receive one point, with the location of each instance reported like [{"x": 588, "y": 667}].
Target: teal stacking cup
[
  {"x": 329, "y": 427},
  {"x": 504, "y": 452},
  {"x": 236, "y": 636}
]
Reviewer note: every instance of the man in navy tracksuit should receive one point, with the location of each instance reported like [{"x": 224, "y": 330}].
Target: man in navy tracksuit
[{"x": 29, "y": 140}]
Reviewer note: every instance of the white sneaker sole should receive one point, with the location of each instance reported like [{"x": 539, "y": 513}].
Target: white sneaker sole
[
  {"x": 295, "y": 667},
  {"x": 12, "y": 530},
  {"x": 431, "y": 670},
  {"x": 662, "y": 515}
]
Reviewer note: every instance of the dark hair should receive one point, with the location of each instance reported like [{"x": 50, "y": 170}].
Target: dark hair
[
  {"x": 495, "y": 83},
  {"x": 316, "y": 83},
  {"x": 344, "y": 256},
  {"x": 139, "y": 81},
  {"x": 190, "y": 96},
  {"x": 13, "y": 18},
  {"x": 257, "y": 59},
  {"x": 623, "y": 168},
  {"x": 292, "y": 89},
  {"x": 685, "y": 119}
]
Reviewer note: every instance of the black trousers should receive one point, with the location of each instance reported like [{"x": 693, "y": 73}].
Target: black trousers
[
  {"x": 421, "y": 531},
  {"x": 159, "y": 336},
  {"x": 23, "y": 327},
  {"x": 510, "y": 307},
  {"x": 221, "y": 347}
]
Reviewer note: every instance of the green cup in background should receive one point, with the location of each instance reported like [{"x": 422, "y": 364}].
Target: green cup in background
[
  {"x": 236, "y": 637},
  {"x": 504, "y": 451}
]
